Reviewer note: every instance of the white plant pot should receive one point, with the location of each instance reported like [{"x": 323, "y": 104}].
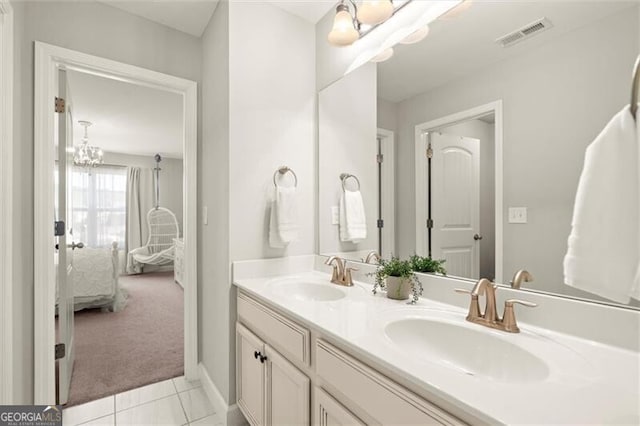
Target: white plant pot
[{"x": 398, "y": 288}]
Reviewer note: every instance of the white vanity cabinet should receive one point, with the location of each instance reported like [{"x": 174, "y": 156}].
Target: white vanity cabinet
[
  {"x": 271, "y": 351},
  {"x": 270, "y": 390}
]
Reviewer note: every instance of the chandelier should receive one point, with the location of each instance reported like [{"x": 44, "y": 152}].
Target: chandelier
[{"x": 85, "y": 155}]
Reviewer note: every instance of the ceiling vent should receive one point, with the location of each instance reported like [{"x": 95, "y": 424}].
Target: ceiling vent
[{"x": 525, "y": 32}]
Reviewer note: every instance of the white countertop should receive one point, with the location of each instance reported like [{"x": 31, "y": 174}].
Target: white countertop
[{"x": 587, "y": 382}]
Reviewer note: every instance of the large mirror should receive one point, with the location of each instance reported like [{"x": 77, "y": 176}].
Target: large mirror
[{"x": 468, "y": 146}]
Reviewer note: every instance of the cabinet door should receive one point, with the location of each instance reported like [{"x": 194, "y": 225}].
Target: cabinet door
[
  {"x": 329, "y": 412},
  {"x": 288, "y": 398},
  {"x": 250, "y": 376}
]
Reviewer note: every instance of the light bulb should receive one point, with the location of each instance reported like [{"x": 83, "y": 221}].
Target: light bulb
[
  {"x": 416, "y": 36},
  {"x": 373, "y": 12},
  {"x": 458, "y": 10},
  {"x": 343, "y": 32},
  {"x": 383, "y": 56}
]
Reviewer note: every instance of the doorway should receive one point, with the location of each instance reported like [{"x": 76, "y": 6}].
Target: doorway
[
  {"x": 459, "y": 191},
  {"x": 50, "y": 60}
]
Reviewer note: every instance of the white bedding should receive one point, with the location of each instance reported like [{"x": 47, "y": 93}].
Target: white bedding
[{"x": 95, "y": 279}]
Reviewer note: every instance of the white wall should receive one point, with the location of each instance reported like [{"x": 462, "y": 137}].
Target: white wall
[
  {"x": 387, "y": 115},
  {"x": 483, "y": 131},
  {"x": 171, "y": 178},
  {"x": 215, "y": 299},
  {"x": 556, "y": 99},
  {"x": 272, "y": 113},
  {"x": 259, "y": 114},
  {"x": 347, "y": 144},
  {"x": 92, "y": 28}
]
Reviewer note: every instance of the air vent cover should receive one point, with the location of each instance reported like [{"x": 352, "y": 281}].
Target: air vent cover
[{"x": 525, "y": 32}]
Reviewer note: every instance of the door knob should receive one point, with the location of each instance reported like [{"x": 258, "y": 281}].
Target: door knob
[
  {"x": 75, "y": 246},
  {"x": 477, "y": 237}
]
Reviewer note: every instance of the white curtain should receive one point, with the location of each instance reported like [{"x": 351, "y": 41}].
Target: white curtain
[
  {"x": 140, "y": 196},
  {"x": 99, "y": 206}
]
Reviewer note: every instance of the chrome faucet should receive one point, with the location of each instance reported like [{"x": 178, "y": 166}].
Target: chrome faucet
[
  {"x": 341, "y": 274},
  {"x": 519, "y": 277},
  {"x": 373, "y": 255},
  {"x": 489, "y": 318}
]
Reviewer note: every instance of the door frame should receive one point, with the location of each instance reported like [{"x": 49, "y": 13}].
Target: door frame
[
  {"x": 6, "y": 209},
  {"x": 421, "y": 131},
  {"x": 48, "y": 59},
  {"x": 387, "y": 141}
]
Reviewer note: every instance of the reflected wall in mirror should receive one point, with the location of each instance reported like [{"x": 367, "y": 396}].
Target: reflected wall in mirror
[{"x": 508, "y": 128}]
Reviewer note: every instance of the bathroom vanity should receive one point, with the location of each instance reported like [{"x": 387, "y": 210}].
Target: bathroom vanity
[{"x": 312, "y": 352}]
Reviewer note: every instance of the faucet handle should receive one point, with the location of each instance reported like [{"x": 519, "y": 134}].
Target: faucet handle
[
  {"x": 510, "y": 302},
  {"x": 474, "y": 307},
  {"x": 509, "y": 317},
  {"x": 348, "y": 279},
  {"x": 462, "y": 290}
]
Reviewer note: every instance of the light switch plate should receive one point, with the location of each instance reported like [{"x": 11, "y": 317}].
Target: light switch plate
[
  {"x": 517, "y": 215},
  {"x": 335, "y": 215}
]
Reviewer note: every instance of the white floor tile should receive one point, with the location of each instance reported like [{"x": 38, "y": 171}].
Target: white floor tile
[
  {"x": 89, "y": 411},
  {"x": 182, "y": 384},
  {"x": 109, "y": 420},
  {"x": 165, "y": 411},
  {"x": 212, "y": 420},
  {"x": 144, "y": 394},
  {"x": 196, "y": 404}
]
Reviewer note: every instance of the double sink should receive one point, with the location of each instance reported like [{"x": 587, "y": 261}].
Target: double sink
[{"x": 441, "y": 337}]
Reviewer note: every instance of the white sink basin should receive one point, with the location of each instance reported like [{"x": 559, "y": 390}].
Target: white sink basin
[
  {"x": 475, "y": 352},
  {"x": 308, "y": 291}
]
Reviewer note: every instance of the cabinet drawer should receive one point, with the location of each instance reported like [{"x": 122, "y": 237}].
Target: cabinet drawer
[
  {"x": 283, "y": 334},
  {"x": 383, "y": 399}
]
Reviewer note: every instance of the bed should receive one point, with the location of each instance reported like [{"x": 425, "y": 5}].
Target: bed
[{"x": 95, "y": 279}]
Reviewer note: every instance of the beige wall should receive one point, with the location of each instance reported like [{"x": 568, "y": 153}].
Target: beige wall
[{"x": 87, "y": 27}]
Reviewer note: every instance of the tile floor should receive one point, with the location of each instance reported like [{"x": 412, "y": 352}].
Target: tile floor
[{"x": 172, "y": 402}]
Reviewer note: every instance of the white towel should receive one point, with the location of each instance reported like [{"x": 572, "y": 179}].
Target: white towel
[
  {"x": 353, "y": 221},
  {"x": 604, "y": 245},
  {"x": 283, "y": 223}
]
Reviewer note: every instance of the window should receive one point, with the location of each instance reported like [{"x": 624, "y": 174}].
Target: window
[{"x": 99, "y": 205}]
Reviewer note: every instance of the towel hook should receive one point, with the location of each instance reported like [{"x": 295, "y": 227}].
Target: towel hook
[
  {"x": 283, "y": 170},
  {"x": 635, "y": 87},
  {"x": 345, "y": 176}
]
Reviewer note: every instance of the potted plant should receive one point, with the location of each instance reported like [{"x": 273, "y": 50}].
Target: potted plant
[
  {"x": 397, "y": 278},
  {"x": 427, "y": 265}
]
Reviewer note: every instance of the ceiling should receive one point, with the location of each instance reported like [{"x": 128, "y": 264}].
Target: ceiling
[
  {"x": 127, "y": 118},
  {"x": 460, "y": 46},
  {"x": 192, "y": 16}
]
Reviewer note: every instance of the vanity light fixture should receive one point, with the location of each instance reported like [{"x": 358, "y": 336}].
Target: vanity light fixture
[
  {"x": 374, "y": 12},
  {"x": 416, "y": 36},
  {"x": 84, "y": 155},
  {"x": 383, "y": 56},
  {"x": 349, "y": 27},
  {"x": 345, "y": 27}
]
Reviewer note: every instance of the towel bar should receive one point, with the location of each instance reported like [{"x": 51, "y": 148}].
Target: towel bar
[
  {"x": 283, "y": 170},
  {"x": 345, "y": 176}
]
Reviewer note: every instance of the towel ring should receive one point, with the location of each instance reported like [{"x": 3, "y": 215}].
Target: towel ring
[
  {"x": 635, "y": 87},
  {"x": 345, "y": 176},
  {"x": 283, "y": 170}
]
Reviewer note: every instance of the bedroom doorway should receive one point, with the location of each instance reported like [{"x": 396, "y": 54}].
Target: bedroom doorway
[{"x": 130, "y": 223}]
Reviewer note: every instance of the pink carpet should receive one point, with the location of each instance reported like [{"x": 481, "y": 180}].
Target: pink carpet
[{"x": 140, "y": 345}]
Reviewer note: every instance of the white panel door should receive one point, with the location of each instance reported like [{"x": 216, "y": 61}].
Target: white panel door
[
  {"x": 287, "y": 392},
  {"x": 250, "y": 376},
  {"x": 455, "y": 203},
  {"x": 65, "y": 242}
]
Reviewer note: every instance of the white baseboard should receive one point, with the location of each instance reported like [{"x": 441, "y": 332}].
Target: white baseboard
[{"x": 229, "y": 413}]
